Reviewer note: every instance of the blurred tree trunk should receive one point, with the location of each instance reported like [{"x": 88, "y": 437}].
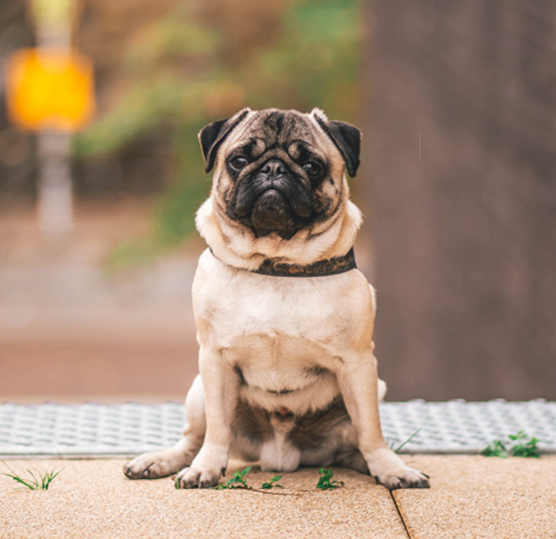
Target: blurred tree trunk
[
  {"x": 17, "y": 148},
  {"x": 464, "y": 180},
  {"x": 362, "y": 186}
]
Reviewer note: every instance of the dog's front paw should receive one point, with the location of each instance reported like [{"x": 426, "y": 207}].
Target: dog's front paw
[
  {"x": 405, "y": 477},
  {"x": 206, "y": 469},
  {"x": 198, "y": 478},
  {"x": 392, "y": 472},
  {"x": 156, "y": 464}
]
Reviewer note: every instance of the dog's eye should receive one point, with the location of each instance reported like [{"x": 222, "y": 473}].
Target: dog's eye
[
  {"x": 312, "y": 168},
  {"x": 238, "y": 162}
]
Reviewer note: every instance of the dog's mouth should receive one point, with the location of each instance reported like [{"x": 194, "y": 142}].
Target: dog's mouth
[
  {"x": 281, "y": 205},
  {"x": 272, "y": 212}
]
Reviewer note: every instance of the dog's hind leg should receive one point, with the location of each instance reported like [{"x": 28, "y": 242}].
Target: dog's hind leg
[
  {"x": 169, "y": 461},
  {"x": 348, "y": 454}
]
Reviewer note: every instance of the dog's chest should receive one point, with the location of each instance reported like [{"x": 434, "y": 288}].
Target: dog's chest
[
  {"x": 278, "y": 340},
  {"x": 283, "y": 373},
  {"x": 273, "y": 326},
  {"x": 239, "y": 309}
]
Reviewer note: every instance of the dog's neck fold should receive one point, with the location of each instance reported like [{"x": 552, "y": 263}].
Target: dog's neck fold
[{"x": 237, "y": 246}]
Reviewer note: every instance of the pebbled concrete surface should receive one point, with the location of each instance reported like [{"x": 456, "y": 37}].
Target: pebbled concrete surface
[
  {"x": 92, "y": 498},
  {"x": 471, "y": 497},
  {"x": 476, "y": 497}
]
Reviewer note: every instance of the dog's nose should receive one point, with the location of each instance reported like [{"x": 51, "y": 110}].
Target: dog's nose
[{"x": 273, "y": 168}]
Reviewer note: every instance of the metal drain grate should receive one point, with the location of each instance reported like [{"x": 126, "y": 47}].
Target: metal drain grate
[
  {"x": 129, "y": 429},
  {"x": 466, "y": 427}
]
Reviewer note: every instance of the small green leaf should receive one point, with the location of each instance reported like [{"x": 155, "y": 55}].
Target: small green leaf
[
  {"x": 325, "y": 483},
  {"x": 496, "y": 449},
  {"x": 521, "y": 446},
  {"x": 237, "y": 481},
  {"x": 272, "y": 483},
  {"x": 245, "y": 471}
]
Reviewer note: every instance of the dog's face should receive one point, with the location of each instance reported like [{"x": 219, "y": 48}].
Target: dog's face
[{"x": 279, "y": 171}]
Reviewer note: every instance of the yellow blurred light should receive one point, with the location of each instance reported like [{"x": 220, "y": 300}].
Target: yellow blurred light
[{"x": 50, "y": 89}]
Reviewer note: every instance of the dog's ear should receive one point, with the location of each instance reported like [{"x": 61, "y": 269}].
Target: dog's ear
[
  {"x": 214, "y": 134},
  {"x": 346, "y": 137}
]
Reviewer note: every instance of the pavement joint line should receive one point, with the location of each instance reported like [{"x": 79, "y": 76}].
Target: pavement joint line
[{"x": 400, "y": 514}]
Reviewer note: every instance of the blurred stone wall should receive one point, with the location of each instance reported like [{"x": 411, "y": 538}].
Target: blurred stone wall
[{"x": 464, "y": 175}]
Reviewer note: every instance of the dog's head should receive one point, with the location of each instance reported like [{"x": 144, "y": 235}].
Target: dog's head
[{"x": 279, "y": 171}]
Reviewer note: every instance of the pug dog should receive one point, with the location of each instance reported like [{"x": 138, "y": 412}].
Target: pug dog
[{"x": 288, "y": 375}]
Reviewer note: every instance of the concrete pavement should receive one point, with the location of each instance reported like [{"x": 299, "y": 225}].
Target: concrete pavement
[{"x": 471, "y": 497}]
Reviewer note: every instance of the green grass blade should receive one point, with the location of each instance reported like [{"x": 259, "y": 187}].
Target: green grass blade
[
  {"x": 55, "y": 474},
  {"x": 21, "y": 481},
  {"x": 42, "y": 482},
  {"x": 35, "y": 481},
  {"x": 400, "y": 447}
]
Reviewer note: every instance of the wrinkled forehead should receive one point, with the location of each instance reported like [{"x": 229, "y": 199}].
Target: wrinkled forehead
[{"x": 276, "y": 129}]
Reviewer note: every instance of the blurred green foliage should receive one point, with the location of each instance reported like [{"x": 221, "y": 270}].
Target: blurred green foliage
[{"x": 188, "y": 68}]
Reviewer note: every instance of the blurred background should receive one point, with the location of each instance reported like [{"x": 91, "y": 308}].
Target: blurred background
[{"x": 98, "y": 192}]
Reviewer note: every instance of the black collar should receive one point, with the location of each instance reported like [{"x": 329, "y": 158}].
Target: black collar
[{"x": 331, "y": 266}]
